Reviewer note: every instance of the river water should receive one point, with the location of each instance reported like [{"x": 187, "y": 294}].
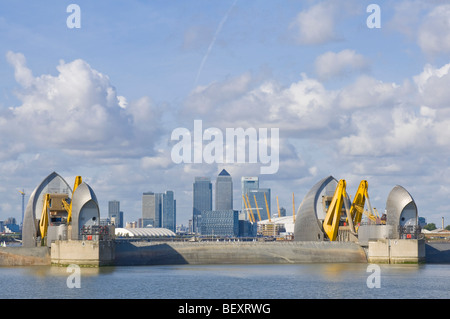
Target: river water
[{"x": 300, "y": 281}]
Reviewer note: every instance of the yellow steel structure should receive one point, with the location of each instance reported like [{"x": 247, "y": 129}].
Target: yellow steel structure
[
  {"x": 354, "y": 213},
  {"x": 333, "y": 216},
  {"x": 267, "y": 207},
  {"x": 257, "y": 208},
  {"x": 43, "y": 223},
  {"x": 78, "y": 181},
  {"x": 278, "y": 207},
  {"x": 248, "y": 210},
  {"x": 357, "y": 208}
]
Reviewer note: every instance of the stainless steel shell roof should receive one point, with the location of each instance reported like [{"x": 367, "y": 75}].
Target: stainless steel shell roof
[
  {"x": 82, "y": 196},
  {"x": 399, "y": 205},
  {"x": 307, "y": 225},
  {"x": 53, "y": 183}
]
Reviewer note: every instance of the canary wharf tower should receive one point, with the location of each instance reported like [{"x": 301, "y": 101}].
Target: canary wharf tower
[{"x": 224, "y": 191}]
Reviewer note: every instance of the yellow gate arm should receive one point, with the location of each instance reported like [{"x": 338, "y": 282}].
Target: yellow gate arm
[
  {"x": 43, "y": 223},
  {"x": 357, "y": 208},
  {"x": 331, "y": 221},
  {"x": 78, "y": 181}
]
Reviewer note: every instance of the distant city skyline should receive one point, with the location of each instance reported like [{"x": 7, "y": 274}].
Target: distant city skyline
[{"x": 347, "y": 97}]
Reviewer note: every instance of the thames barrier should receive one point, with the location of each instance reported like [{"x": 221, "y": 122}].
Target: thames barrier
[{"x": 62, "y": 226}]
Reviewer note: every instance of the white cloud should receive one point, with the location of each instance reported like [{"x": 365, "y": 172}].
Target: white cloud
[
  {"x": 315, "y": 25},
  {"x": 407, "y": 16},
  {"x": 78, "y": 110},
  {"x": 434, "y": 33},
  {"x": 433, "y": 84},
  {"x": 22, "y": 74},
  {"x": 341, "y": 64},
  {"x": 367, "y": 91},
  {"x": 319, "y": 24},
  {"x": 302, "y": 106}
]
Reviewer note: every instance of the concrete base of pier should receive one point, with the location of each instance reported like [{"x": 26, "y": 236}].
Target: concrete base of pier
[
  {"x": 82, "y": 253},
  {"x": 165, "y": 253},
  {"x": 396, "y": 251},
  {"x": 20, "y": 256},
  {"x": 129, "y": 253}
]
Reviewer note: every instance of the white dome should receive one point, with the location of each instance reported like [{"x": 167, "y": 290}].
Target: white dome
[{"x": 144, "y": 232}]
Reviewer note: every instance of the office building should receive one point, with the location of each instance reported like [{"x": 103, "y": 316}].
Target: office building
[
  {"x": 159, "y": 210},
  {"x": 202, "y": 200},
  {"x": 221, "y": 223},
  {"x": 168, "y": 211},
  {"x": 224, "y": 191},
  {"x": 151, "y": 208},
  {"x": 114, "y": 214}
]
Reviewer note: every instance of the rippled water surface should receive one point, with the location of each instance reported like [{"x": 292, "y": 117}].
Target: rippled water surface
[{"x": 229, "y": 282}]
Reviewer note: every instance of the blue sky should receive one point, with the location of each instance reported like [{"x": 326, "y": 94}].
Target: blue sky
[{"x": 101, "y": 101}]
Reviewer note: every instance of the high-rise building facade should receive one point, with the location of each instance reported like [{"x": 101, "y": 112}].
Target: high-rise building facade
[
  {"x": 224, "y": 191},
  {"x": 159, "y": 210},
  {"x": 114, "y": 213},
  {"x": 169, "y": 211},
  {"x": 151, "y": 209},
  {"x": 223, "y": 223},
  {"x": 202, "y": 200}
]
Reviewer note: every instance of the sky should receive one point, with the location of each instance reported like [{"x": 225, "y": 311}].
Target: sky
[{"x": 98, "y": 90}]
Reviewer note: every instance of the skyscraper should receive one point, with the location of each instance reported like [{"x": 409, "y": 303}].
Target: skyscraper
[
  {"x": 114, "y": 213},
  {"x": 151, "y": 209},
  {"x": 202, "y": 199},
  {"x": 168, "y": 211},
  {"x": 224, "y": 191},
  {"x": 159, "y": 210}
]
